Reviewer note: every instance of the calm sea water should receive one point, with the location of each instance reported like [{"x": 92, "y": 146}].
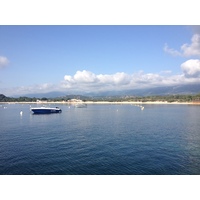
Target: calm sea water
[{"x": 100, "y": 139}]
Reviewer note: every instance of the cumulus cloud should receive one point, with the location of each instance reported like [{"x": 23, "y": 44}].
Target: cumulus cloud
[
  {"x": 191, "y": 68},
  {"x": 186, "y": 50},
  {"x": 83, "y": 82},
  {"x": 192, "y": 49},
  {"x": 119, "y": 78},
  {"x": 89, "y": 82},
  {"x": 85, "y": 77},
  {"x": 3, "y": 61}
]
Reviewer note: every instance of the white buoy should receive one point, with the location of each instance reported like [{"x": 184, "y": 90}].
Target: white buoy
[
  {"x": 142, "y": 108},
  {"x": 21, "y": 113}
]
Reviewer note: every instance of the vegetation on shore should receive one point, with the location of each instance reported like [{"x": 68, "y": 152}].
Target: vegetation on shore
[{"x": 167, "y": 98}]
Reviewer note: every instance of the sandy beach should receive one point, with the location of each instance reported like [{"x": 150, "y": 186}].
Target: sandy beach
[{"x": 107, "y": 102}]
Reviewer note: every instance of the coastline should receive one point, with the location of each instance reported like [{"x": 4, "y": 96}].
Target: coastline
[{"x": 107, "y": 102}]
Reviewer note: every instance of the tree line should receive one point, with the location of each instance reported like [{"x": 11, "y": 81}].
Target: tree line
[{"x": 167, "y": 98}]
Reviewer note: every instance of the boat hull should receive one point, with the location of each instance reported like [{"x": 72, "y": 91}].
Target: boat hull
[{"x": 46, "y": 110}]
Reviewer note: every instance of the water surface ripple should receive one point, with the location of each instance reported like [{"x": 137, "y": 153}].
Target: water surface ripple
[{"x": 101, "y": 139}]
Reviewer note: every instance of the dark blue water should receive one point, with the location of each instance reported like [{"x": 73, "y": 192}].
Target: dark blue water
[{"x": 101, "y": 139}]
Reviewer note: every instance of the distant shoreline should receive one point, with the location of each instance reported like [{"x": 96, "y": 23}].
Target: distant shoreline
[{"x": 107, "y": 102}]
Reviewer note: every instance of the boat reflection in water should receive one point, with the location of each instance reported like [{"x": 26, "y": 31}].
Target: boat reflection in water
[
  {"x": 46, "y": 110},
  {"x": 80, "y": 105}
]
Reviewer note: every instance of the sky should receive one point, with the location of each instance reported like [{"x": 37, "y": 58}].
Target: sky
[{"x": 96, "y": 58}]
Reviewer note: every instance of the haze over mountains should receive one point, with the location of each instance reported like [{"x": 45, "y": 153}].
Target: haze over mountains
[{"x": 168, "y": 90}]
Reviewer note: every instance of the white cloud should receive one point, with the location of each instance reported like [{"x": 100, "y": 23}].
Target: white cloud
[
  {"x": 171, "y": 51},
  {"x": 31, "y": 89},
  {"x": 86, "y": 81},
  {"x": 191, "y": 68},
  {"x": 186, "y": 50},
  {"x": 119, "y": 78},
  {"x": 89, "y": 80},
  {"x": 192, "y": 49},
  {"x": 3, "y": 61},
  {"x": 85, "y": 77}
]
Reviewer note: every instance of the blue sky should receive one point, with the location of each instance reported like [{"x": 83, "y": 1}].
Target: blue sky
[{"x": 96, "y": 58}]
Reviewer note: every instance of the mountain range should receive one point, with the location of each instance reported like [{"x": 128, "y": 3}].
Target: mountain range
[{"x": 191, "y": 89}]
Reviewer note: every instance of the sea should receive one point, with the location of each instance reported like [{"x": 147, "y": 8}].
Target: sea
[{"x": 100, "y": 139}]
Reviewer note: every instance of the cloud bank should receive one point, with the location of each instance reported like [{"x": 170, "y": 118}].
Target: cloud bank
[
  {"x": 87, "y": 81},
  {"x": 83, "y": 82}
]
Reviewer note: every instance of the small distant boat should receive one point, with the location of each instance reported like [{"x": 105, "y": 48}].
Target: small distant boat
[
  {"x": 46, "y": 110},
  {"x": 80, "y": 105}
]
